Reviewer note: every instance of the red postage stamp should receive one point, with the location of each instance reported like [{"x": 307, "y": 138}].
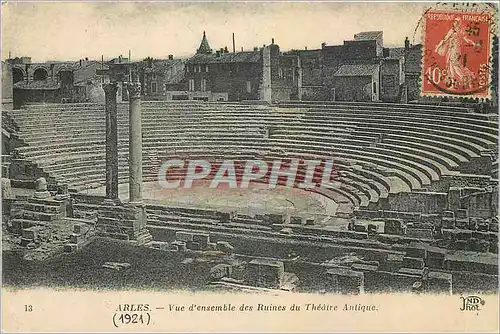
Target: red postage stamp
[{"x": 456, "y": 53}]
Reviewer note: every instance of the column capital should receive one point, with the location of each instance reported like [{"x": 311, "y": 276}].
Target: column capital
[
  {"x": 110, "y": 88},
  {"x": 134, "y": 90}
]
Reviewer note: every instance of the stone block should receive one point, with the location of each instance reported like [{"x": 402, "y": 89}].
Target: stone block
[
  {"x": 77, "y": 228},
  {"x": 183, "y": 236},
  {"x": 419, "y": 233},
  {"x": 393, "y": 262},
  {"x": 477, "y": 245},
  {"x": 388, "y": 238},
  {"x": 493, "y": 236},
  {"x": 460, "y": 245},
  {"x": 439, "y": 282},
  {"x": 448, "y": 214},
  {"x": 75, "y": 238},
  {"x": 224, "y": 246},
  {"x": 16, "y": 225},
  {"x": 414, "y": 272},
  {"x": 461, "y": 214},
  {"x": 362, "y": 267},
  {"x": 201, "y": 239},
  {"x": 41, "y": 194},
  {"x": 25, "y": 242},
  {"x": 394, "y": 226},
  {"x": 274, "y": 218},
  {"x": 346, "y": 281},
  {"x": 178, "y": 245},
  {"x": 413, "y": 263},
  {"x": 484, "y": 227},
  {"x": 431, "y": 218},
  {"x": 416, "y": 252},
  {"x": 462, "y": 223},
  {"x": 192, "y": 245},
  {"x": 464, "y": 235},
  {"x": 391, "y": 214},
  {"x": 310, "y": 221},
  {"x": 296, "y": 220},
  {"x": 448, "y": 222},
  {"x": 68, "y": 248},
  {"x": 493, "y": 247},
  {"x": 480, "y": 235},
  {"x": 359, "y": 228},
  {"x": 29, "y": 233},
  {"x": 211, "y": 246}
]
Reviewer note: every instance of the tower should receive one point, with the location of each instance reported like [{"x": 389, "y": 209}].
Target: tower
[{"x": 204, "y": 46}]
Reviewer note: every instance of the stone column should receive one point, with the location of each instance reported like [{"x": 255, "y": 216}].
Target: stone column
[
  {"x": 265, "y": 83},
  {"x": 135, "y": 143},
  {"x": 111, "y": 143}
]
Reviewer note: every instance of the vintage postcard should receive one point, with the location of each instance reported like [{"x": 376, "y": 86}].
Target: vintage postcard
[{"x": 250, "y": 167}]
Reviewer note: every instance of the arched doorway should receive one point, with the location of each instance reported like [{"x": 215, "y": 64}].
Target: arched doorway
[
  {"x": 40, "y": 74},
  {"x": 17, "y": 75}
]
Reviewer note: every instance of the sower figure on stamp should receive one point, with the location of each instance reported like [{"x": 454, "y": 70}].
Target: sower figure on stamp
[{"x": 450, "y": 46}]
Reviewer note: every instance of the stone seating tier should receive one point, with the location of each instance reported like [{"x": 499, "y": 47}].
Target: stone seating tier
[{"x": 397, "y": 138}]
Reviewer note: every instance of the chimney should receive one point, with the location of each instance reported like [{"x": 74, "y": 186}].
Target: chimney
[
  {"x": 407, "y": 44},
  {"x": 170, "y": 57},
  {"x": 80, "y": 63},
  {"x": 323, "y": 45},
  {"x": 256, "y": 49},
  {"x": 234, "y": 45},
  {"x": 241, "y": 49},
  {"x": 305, "y": 48},
  {"x": 226, "y": 50},
  {"x": 86, "y": 58},
  {"x": 272, "y": 40}
]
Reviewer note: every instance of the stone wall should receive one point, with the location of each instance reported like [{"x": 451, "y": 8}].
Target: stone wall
[
  {"x": 481, "y": 204},
  {"x": 313, "y": 93},
  {"x": 461, "y": 181},
  {"x": 389, "y": 80},
  {"x": 281, "y": 93},
  {"x": 425, "y": 202},
  {"x": 353, "y": 88}
]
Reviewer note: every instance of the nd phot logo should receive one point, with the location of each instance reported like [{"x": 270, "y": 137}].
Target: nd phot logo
[{"x": 472, "y": 303}]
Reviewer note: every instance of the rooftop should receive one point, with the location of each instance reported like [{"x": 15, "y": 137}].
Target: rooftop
[
  {"x": 367, "y": 35},
  {"x": 396, "y": 52},
  {"x": 236, "y": 57}
]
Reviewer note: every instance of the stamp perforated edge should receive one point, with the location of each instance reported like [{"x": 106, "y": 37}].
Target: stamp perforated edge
[{"x": 470, "y": 7}]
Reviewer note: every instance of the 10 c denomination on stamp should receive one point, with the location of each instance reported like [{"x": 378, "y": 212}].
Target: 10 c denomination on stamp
[{"x": 457, "y": 53}]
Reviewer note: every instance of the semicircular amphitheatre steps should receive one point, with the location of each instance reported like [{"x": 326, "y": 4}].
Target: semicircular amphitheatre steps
[{"x": 379, "y": 150}]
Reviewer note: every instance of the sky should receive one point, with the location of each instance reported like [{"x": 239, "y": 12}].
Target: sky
[{"x": 75, "y": 30}]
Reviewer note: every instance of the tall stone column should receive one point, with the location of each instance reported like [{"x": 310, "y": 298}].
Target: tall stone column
[
  {"x": 135, "y": 143},
  {"x": 111, "y": 143},
  {"x": 265, "y": 93}
]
